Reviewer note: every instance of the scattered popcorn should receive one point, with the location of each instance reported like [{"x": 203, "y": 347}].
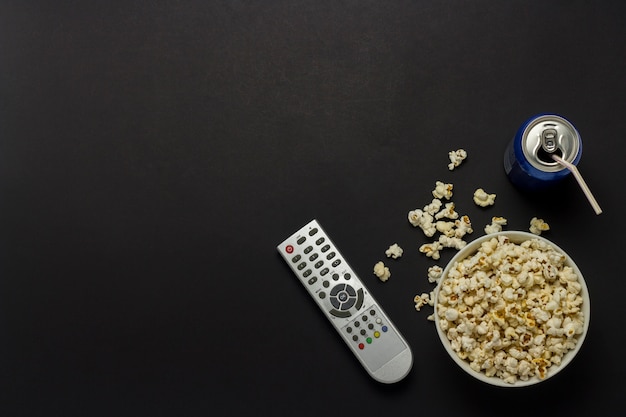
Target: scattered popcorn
[
  {"x": 463, "y": 227},
  {"x": 421, "y": 301},
  {"x": 433, "y": 207},
  {"x": 431, "y": 249},
  {"x": 442, "y": 190},
  {"x": 394, "y": 251},
  {"x": 381, "y": 271},
  {"x": 511, "y": 310},
  {"x": 447, "y": 228},
  {"x": 434, "y": 273},
  {"x": 423, "y": 220},
  {"x": 448, "y": 212},
  {"x": 456, "y": 157},
  {"x": 451, "y": 242},
  {"x": 496, "y": 225},
  {"x": 483, "y": 199},
  {"x": 538, "y": 225}
]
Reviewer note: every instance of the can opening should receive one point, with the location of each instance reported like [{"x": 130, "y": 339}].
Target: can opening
[{"x": 546, "y": 157}]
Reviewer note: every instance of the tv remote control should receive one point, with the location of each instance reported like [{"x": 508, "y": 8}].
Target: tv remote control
[{"x": 347, "y": 303}]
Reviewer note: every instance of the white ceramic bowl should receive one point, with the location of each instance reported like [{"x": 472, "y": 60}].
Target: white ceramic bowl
[{"x": 515, "y": 237}]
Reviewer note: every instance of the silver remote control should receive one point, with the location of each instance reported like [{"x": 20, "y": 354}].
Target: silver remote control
[{"x": 347, "y": 304}]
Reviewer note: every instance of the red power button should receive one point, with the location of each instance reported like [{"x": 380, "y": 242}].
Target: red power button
[{"x": 289, "y": 249}]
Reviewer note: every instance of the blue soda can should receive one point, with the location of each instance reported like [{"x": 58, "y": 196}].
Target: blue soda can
[{"x": 528, "y": 158}]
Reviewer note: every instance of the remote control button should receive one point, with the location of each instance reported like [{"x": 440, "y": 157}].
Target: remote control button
[
  {"x": 296, "y": 258},
  {"x": 376, "y": 335},
  {"x": 364, "y": 318},
  {"x": 324, "y": 271},
  {"x": 357, "y": 324},
  {"x": 289, "y": 249},
  {"x": 347, "y": 276},
  {"x": 378, "y": 321},
  {"x": 355, "y": 338},
  {"x": 320, "y": 241},
  {"x": 331, "y": 255},
  {"x": 384, "y": 329},
  {"x": 350, "y": 291},
  {"x": 307, "y": 273},
  {"x": 319, "y": 264},
  {"x": 308, "y": 249},
  {"x": 340, "y": 313},
  {"x": 370, "y": 326},
  {"x": 325, "y": 248},
  {"x": 335, "y": 302},
  {"x": 301, "y": 266},
  {"x": 336, "y": 276},
  {"x": 359, "y": 299},
  {"x": 301, "y": 240},
  {"x": 369, "y": 340},
  {"x": 337, "y": 262},
  {"x": 313, "y": 257},
  {"x": 363, "y": 332},
  {"x": 372, "y": 312},
  {"x": 313, "y": 231},
  {"x": 322, "y": 295},
  {"x": 337, "y": 288},
  {"x": 312, "y": 281},
  {"x": 349, "y": 329},
  {"x": 325, "y": 284},
  {"x": 361, "y": 346}
]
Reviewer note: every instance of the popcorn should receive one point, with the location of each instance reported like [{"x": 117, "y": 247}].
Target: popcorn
[
  {"x": 496, "y": 225},
  {"x": 447, "y": 228},
  {"x": 433, "y": 207},
  {"x": 431, "y": 249},
  {"x": 463, "y": 227},
  {"x": 511, "y": 311},
  {"x": 394, "y": 251},
  {"x": 448, "y": 212},
  {"x": 483, "y": 199},
  {"x": 381, "y": 271},
  {"x": 423, "y": 220},
  {"x": 442, "y": 190},
  {"x": 451, "y": 242},
  {"x": 421, "y": 300},
  {"x": 456, "y": 157},
  {"x": 538, "y": 225},
  {"x": 434, "y": 273}
]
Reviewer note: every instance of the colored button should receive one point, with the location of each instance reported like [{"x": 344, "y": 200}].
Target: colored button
[
  {"x": 376, "y": 335},
  {"x": 368, "y": 340},
  {"x": 289, "y": 249},
  {"x": 384, "y": 329},
  {"x": 361, "y": 346}
]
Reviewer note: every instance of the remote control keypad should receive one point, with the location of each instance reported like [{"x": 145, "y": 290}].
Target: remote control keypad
[{"x": 321, "y": 257}]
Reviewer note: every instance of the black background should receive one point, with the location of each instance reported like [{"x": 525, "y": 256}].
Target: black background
[{"x": 154, "y": 153}]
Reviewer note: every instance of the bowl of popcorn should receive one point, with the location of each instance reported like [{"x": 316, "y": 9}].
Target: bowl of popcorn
[{"x": 512, "y": 309}]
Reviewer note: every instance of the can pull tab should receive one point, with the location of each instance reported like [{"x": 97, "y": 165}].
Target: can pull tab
[{"x": 548, "y": 140}]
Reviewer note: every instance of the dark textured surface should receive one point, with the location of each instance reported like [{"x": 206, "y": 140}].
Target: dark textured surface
[{"x": 154, "y": 153}]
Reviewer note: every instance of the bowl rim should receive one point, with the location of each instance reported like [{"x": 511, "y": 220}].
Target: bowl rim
[{"x": 515, "y": 237}]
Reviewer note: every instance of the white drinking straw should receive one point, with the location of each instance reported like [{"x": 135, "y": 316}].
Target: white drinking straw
[{"x": 581, "y": 182}]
